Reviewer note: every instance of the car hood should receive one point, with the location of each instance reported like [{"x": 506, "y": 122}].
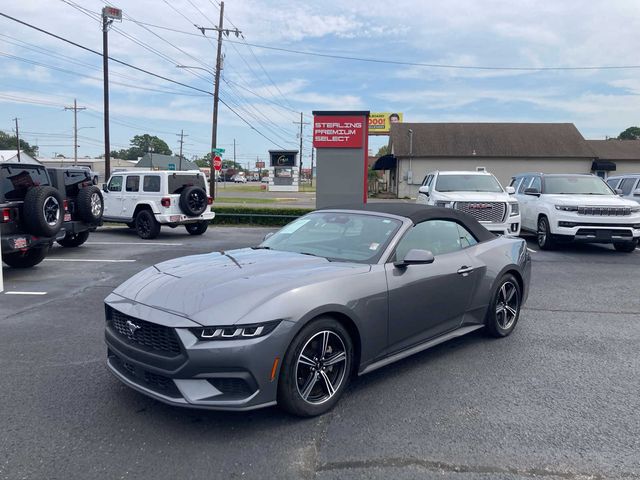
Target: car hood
[
  {"x": 590, "y": 200},
  {"x": 220, "y": 288},
  {"x": 473, "y": 197}
]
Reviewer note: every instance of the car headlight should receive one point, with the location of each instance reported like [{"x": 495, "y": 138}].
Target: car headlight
[
  {"x": 440, "y": 203},
  {"x": 235, "y": 332},
  {"x": 515, "y": 209},
  {"x": 635, "y": 209},
  {"x": 567, "y": 208}
]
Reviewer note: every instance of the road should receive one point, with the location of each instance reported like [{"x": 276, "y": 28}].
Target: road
[{"x": 556, "y": 400}]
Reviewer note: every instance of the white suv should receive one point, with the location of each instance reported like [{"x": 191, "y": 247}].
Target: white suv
[
  {"x": 476, "y": 193},
  {"x": 576, "y": 207},
  {"x": 145, "y": 200}
]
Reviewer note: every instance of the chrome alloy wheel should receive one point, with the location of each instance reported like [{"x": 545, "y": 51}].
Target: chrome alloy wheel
[
  {"x": 51, "y": 211},
  {"x": 321, "y": 367},
  {"x": 507, "y": 305},
  {"x": 96, "y": 205}
]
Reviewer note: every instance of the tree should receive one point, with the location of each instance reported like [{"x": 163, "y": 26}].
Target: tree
[
  {"x": 140, "y": 145},
  {"x": 631, "y": 133},
  {"x": 384, "y": 150},
  {"x": 8, "y": 142}
]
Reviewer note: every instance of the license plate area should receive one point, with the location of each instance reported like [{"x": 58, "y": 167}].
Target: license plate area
[{"x": 20, "y": 242}]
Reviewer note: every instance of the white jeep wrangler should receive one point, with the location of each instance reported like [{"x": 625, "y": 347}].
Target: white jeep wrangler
[{"x": 145, "y": 200}]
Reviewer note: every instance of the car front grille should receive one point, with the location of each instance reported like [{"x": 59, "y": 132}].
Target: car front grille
[
  {"x": 152, "y": 381},
  {"x": 493, "y": 212},
  {"x": 605, "y": 211},
  {"x": 150, "y": 336}
]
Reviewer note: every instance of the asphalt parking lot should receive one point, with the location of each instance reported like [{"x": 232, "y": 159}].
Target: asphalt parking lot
[{"x": 559, "y": 399}]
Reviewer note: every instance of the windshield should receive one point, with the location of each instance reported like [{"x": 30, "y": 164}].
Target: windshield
[
  {"x": 347, "y": 237},
  {"x": 576, "y": 185},
  {"x": 468, "y": 183}
]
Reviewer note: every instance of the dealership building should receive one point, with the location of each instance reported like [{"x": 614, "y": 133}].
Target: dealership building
[{"x": 504, "y": 149}]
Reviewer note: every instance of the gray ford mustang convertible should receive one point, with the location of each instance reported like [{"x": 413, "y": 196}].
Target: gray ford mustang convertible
[{"x": 335, "y": 293}]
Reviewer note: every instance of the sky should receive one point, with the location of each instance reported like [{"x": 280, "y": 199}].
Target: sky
[{"x": 267, "y": 89}]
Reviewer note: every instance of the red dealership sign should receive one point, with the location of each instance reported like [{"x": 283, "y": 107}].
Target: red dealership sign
[{"x": 338, "y": 131}]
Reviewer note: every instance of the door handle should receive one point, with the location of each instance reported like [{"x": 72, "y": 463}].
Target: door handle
[{"x": 464, "y": 270}]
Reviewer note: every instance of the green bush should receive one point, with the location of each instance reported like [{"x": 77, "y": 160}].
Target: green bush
[{"x": 256, "y": 215}]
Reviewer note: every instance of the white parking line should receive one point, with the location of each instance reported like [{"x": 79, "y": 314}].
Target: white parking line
[
  {"x": 86, "y": 260},
  {"x": 532, "y": 250},
  {"x": 25, "y": 293},
  {"x": 144, "y": 244}
]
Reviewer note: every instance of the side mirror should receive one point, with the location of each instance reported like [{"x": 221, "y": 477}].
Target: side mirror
[
  {"x": 268, "y": 235},
  {"x": 636, "y": 192},
  {"x": 424, "y": 190},
  {"x": 104, "y": 188},
  {"x": 415, "y": 256},
  {"x": 618, "y": 191},
  {"x": 510, "y": 190},
  {"x": 532, "y": 191}
]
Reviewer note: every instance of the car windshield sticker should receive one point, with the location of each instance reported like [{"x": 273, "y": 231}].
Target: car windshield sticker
[
  {"x": 292, "y": 227},
  {"x": 374, "y": 246}
]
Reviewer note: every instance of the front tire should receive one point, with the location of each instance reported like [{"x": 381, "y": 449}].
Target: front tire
[
  {"x": 626, "y": 247},
  {"x": 545, "y": 239},
  {"x": 147, "y": 226},
  {"x": 316, "y": 368},
  {"x": 26, "y": 259},
  {"x": 71, "y": 240},
  {"x": 504, "y": 309},
  {"x": 197, "y": 228}
]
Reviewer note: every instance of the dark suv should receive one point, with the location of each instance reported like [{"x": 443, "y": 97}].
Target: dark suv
[
  {"x": 39, "y": 206},
  {"x": 31, "y": 214},
  {"x": 83, "y": 201}
]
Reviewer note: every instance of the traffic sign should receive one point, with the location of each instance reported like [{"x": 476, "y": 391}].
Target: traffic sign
[
  {"x": 218, "y": 151},
  {"x": 171, "y": 166},
  {"x": 112, "y": 12},
  {"x": 217, "y": 163}
]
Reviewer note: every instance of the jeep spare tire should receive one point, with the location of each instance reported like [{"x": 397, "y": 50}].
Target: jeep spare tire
[
  {"x": 43, "y": 211},
  {"x": 193, "y": 201},
  {"x": 90, "y": 204}
]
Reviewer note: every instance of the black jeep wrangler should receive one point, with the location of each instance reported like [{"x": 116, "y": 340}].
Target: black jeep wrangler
[
  {"x": 39, "y": 206},
  {"x": 84, "y": 203}
]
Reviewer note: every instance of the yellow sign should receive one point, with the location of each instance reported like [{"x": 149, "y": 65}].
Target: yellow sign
[{"x": 380, "y": 122}]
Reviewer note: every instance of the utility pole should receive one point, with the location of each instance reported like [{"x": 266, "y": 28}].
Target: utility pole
[
  {"x": 17, "y": 138},
  {"x": 181, "y": 135},
  {"x": 301, "y": 123},
  {"x": 75, "y": 109},
  {"x": 216, "y": 89},
  {"x": 109, "y": 14}
]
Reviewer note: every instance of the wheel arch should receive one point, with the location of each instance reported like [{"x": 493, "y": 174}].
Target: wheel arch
[{"x": 143, "y": 206}]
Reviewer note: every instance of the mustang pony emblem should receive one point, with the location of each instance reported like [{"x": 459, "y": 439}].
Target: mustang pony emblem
[{"x": 132, "y": 327}]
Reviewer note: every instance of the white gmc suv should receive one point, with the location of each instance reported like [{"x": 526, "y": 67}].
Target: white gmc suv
[
  {"x": 576, "y": 207},
  {"x": 145, "y": 200},
  {"x": 476, "y": 193}
]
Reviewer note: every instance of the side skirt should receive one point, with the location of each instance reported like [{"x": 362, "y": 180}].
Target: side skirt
[{"x": 419, "y": 348}]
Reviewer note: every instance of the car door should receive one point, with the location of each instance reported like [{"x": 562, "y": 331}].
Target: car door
[
  {"x": 430, "y": 299},
  {"x": 113, "y": 198},
  {"x": 130, "y": 196}
]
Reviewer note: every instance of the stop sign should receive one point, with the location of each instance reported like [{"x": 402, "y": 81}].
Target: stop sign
[{"x": 217, "y": 163}]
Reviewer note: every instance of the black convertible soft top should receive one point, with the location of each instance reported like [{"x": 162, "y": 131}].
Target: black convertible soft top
[{"x": 417, "y": 213}]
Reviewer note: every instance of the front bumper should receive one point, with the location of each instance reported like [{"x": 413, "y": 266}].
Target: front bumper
[
  {"x": 217, "y": 374},
  {"x": 587, "y": 229},
  {"x": 510, "y": 227},
  {"x": 182, "y": 219}
]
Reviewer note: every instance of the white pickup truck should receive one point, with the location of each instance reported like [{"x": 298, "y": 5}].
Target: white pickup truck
[{"x": 145, "y": 200}]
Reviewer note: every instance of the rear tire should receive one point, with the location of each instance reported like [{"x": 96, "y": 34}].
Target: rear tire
[
  {"x": 147, "y": 226},
  {"x": 26, "y": 259},
  {"x": 197, "y": 228},
  {"x": 626, "y": 247},
  {"x": 545, "y": 238},
  {"x": 43, "y": 211},
  {"x": 193, "y": 201},
  {"x": 316, "y": 368},
  {"x": 504, "y": 309},
  {"x": 72, "y": 240},
  {"x": 90, "y": 204}
]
